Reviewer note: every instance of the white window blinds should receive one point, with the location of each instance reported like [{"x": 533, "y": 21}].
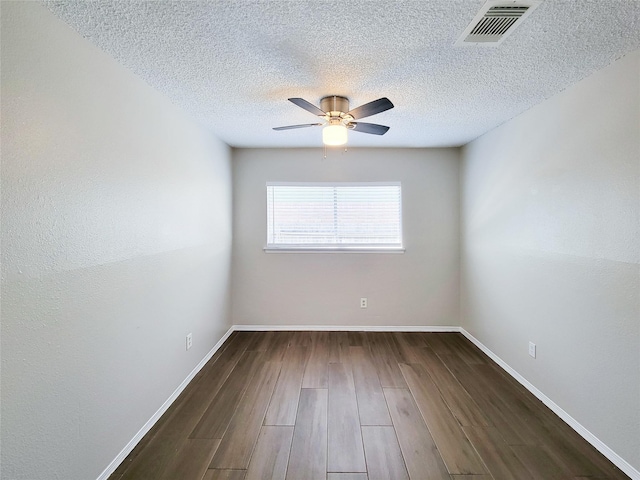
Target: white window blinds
[{"x": 334, "y": 215}]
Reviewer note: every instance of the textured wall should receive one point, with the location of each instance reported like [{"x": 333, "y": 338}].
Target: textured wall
[
  {"x": 550, "y": 250},
  {"x": 419, "y": 287},
  {"x": 116, "y": 239}
]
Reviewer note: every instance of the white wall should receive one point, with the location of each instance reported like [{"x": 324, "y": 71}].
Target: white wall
[
  {"x": 550, "y": 250},
  {"x": 116, "y": 239},
  {"x": 419, "y": 287}
]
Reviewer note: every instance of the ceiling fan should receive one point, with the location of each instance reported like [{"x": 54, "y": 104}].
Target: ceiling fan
[{"x": 337, "y": 118}]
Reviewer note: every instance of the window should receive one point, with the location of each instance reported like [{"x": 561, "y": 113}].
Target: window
[{"x": 334, "y": 216}]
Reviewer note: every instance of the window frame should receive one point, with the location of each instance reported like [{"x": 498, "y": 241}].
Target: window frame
[{"x": 333, "y": 248}]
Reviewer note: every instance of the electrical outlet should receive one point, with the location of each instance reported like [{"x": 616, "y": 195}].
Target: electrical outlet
[
  {"x": 189, "y": 341},
  {"x": 363, "y": 302},
  {"x": 532, "y": 349}
]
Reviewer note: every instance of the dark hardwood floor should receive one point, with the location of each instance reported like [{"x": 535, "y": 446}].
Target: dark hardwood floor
[{"x": 359, "y": 406}]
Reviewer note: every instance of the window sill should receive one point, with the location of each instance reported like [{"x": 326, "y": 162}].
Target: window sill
[{"x": 333, "y": 250}]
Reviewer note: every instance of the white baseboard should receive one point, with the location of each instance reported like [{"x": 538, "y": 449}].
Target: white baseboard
[
  {"x": 573, "y": 423},
  {"x": 165, "y": 406},
  {"x": 616, "y": 459},
  {"x": 343, "y": 328}
]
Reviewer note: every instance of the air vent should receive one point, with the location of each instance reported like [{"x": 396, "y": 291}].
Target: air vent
[{"x": 496, "y": 20}]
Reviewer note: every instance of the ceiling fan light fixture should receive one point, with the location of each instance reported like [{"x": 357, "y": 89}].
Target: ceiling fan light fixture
[
  {"x": 334, "y": 135},
  {"x": 337, "y": 118}
]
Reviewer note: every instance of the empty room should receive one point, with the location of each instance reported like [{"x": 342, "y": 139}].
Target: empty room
[{"x": 319, "y": 239}]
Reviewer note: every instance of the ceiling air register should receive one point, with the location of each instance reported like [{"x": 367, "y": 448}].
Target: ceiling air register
[{"x": 496, "y": 20}]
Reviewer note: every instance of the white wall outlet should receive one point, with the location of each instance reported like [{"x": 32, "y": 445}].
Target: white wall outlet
[
  {"x": 189, "y": 341},
  {"x": 532, "y": 349},
  {"x": 363, "y": 302}
]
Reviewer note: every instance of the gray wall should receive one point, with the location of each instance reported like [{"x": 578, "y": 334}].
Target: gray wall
[
  {"x": 417, "y": 288},
  {"x": 550, "y": 250},
  {"x": 116, "y": 243}
]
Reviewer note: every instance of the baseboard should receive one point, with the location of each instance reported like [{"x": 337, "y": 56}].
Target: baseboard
[
  {"x": 572, "y": 422},
  {"x": 345, "y": 328},
  {"x": 616, "y": 459},
  {"x": 165, "y": 406}
]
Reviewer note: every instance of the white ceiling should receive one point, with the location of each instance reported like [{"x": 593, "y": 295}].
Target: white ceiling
[{"x": 233, "y": 64}]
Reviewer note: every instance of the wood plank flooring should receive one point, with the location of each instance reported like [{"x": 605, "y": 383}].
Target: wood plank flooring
[{"x": 359, "y": 406}]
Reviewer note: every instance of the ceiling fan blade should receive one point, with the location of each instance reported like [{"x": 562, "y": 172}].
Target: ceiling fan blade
[
  {"x": 372, "y": 128},
  {"x": 371, "y": 108},
  {"x": 291, "y": 127},
  {"x": 309, "y": 107}
]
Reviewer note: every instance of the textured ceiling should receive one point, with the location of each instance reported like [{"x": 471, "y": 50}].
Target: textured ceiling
[{"x": 233, "y": 64}]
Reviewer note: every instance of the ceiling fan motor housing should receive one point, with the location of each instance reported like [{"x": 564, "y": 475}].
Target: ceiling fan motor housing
[{"x": 334, "y": 105}]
